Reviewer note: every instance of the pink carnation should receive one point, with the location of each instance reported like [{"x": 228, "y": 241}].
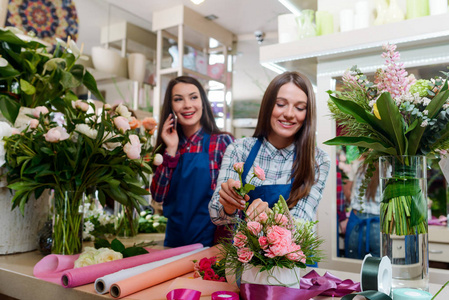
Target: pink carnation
[
  {"x": 259, "y": 173},
  {"x": 245, "y": 255},
  {"x": 276, "y": 233},
  {"x": 254, "y": 227},
  {"x": 238, "y": 167},
  {"x": 263, "y": 217},
  {"x": 282, "y": 247},
  {"x": 281, "y": 219},
  {"x": 240, "y": 240},
  {"x": 296, "y": 253},
  {"x": 263, "y": 242}
]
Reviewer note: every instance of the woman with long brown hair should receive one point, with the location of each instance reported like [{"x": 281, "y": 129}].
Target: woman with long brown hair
[
  {"x": 284, "y": 146},
  {"x": 192, "y": 147}
]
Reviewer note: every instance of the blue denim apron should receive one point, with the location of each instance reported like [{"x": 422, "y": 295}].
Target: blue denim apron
[
  {"x": 268, "y": 193},
  {"x": 186, "y": 206}
]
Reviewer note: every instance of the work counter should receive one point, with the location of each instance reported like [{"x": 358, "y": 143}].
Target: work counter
[{"x": 17, "y": 280}]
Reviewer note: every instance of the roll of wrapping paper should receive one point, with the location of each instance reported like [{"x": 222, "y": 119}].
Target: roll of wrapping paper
[
  {"x": 103, "y": 284},
  {"x": 158, "y": 275},
  {"x": 89, "y": 274}
]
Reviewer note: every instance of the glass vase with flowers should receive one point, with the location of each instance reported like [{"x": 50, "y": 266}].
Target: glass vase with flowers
[
  {"x": 399, "y": 121},
  {"x": 69, "y": 148}
]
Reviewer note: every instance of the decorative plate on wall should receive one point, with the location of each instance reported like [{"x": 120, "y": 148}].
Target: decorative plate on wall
[{"x": 47, "y": 19}]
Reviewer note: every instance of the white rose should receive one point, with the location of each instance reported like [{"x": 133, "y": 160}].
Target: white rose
[
  {"x": 106, "y": 254},
  {"x": 123, "y": 111},
  {"x": 110, "y": 146},
  {"x": 85, "y": 259},
  {"x": 158, "y": 159},
  {"x": 86, "y": 130}
]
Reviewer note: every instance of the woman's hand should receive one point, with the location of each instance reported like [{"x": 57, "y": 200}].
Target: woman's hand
[
  {"x": 229, "y": 198},
  {"x": 170, "y": 136},
  {"x": 256, "y": 208}
]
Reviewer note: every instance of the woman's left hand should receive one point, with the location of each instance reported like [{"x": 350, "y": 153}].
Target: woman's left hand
[{"x": 256, "y": 208}]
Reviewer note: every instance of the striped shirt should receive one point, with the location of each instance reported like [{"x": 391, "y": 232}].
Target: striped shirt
[
  {"x": 277, "y": 165},
  {"x": 163, "y": 174}
]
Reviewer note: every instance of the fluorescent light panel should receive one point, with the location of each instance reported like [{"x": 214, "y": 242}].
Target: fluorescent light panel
[
  {"x": 290, "y": 6},
  {"x": 197, "y": 2}
]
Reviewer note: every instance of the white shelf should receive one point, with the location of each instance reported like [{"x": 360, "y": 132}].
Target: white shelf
[{"x": 306, "y": 53}]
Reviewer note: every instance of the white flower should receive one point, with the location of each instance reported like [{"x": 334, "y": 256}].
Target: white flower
[
  {"x": 425, "y": 112},
  {"x": 89, "y": 226},
  {"x": 155, "y": 224},
  {"x": 5, "y": 130},
  {"x": 86, "y": 130},
  {"x": 123, "y": 111},
  {"x": 103, "y": 219},
  {"x": 424, "y": 123},
  {"x": 143, "y": 213},
  {"x": 86, "y": 258},
  {"x": 3, "y": 62},
  {"x": 109, "y": 145},
  {"x": 148, "y": 217},
  {"x": 426, "y": 101},
  {"x": 158, "y": 159},
  {"x": 106, "y": 254}
]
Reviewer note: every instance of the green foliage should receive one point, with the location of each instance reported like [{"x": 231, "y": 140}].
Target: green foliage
[
  {"x": 117, "y": 246},
  {"x": 149, "y": 223},
  {"x": 34, "y": 77},
  {"x": 92, "y": 156}
]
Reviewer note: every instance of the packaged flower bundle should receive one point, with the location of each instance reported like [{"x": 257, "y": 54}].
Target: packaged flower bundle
[
  {"x": 209, "y": 269},
  {"x": 271, "y": 241}
]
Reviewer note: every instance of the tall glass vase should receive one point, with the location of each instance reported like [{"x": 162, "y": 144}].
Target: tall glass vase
[
  {"x": 68, "y": 218},
  {"x": 403, "y": 219},
  {"x": 127, "y": 220}
]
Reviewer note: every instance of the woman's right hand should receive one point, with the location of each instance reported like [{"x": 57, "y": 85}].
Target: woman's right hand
[
  {"x": 170, "y": 136},
  {"x": 230, "y": 200}
]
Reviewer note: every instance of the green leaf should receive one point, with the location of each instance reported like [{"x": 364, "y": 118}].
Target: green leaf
[
  {"x": 248, "y": 187},
  {"x": 133, "y": 251},
  {"x": 117, "y": 246},
  {"x": 8, "y": 72},
  {"x": 361, "y": 142},
  {"x": 91, "y": 85},
  {"x": 9, "y": 108},
  {"x": 101, "y": 243},
  {"x": 397, "y": 188}
]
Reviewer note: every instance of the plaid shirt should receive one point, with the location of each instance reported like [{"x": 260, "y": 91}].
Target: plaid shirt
[
  {"x": 277, "y": 164},
  {"x": 217, "y": 146}
]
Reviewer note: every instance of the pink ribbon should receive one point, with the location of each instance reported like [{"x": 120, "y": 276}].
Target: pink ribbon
[
  {"x": 312, "y": 285},
  {"x": 225, "y": 295},
  {"x": 183, "y": 294}
]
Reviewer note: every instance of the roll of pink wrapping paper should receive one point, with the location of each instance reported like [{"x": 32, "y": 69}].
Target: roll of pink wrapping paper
[
  {"x": 158, "y": 275},
  {"x": 89, "y": 274},
  {"x": 51, "y": 267}
]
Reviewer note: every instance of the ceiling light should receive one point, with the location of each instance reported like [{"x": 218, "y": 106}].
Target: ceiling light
[
  {"x": 197, "y": 2},
  {"x": 290, "y": 6}
]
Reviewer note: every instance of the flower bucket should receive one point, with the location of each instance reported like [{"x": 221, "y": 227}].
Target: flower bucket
[
  {"x": 68, "y": 218},
  {"x": 276, "y": 276},
  {"x": 403, "y": 219},
  {"x": 19, "y": 232}
]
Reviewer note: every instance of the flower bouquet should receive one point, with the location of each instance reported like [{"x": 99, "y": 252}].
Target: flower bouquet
[
  {"x": 274, "y": 243},
  {"x": 69, "y": 149},
  {"x": 209, "y": 269},
  {"x": 397, "y": 116}
]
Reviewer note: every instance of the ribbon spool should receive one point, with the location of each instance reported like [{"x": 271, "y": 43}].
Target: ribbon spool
[
  {"x": 224, "y": 295},
  {"x": 376, "y": 274},
  {"x": 409, "y": 294}
]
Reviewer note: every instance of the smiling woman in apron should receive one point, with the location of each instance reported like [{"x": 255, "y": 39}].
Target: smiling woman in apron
[
  {"x": 284, "y": 146},
  {"x": 193, "y": 147}
]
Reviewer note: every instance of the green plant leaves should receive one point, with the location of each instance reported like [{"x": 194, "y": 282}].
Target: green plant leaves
[{"x": 9, "y": 108}]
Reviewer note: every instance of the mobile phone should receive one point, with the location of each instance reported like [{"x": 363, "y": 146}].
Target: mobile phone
[{"x": 175, "y": 121}]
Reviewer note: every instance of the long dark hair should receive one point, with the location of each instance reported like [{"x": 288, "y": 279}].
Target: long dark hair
[
  {"x": 305, "y": 141},
  {"x": 207, "y": 119}
]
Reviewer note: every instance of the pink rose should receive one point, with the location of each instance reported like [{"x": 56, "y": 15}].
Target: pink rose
[
  {"x": 240, "y": 240},
  {"x": 56, "y": 134},
  {"x": 81, "y": 105},
  {"x": 122, "y": 124},
  {"x": 149, "y": 123},
  {"x": 281, "y": 219},
  {"x": 238, "y": 167},
  {"x": 281, "y": 248},
  {"x": 196, "y": 274},
  {"x": 205, "y": 263},
  {"x": 34, "y": 123},
  {"x": 133, "y": 147},
  {"x": 296, "y": 253},
  {"x": 259, "y": 173},
  {"x": 269, "y": 253},
  {"x": 209, "y": 274},
  {"x": 196, "y": 265},
  {"x": 40, "y": 110},
  {"x": 263, "y": 242},
  {"x": 254, "y": 227},
  {"x": 276, "y": 234},
  {"x": 245, "y": 255},
  {"x": 263, "y": 217}
]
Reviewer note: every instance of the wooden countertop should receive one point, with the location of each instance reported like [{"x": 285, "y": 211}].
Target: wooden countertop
[{"x": 17, "y": 280}]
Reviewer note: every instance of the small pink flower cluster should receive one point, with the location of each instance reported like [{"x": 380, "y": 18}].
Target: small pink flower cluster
[
  {"x": 274, "y": 238},
  {"x": 395, "y": 78},
  {"x": 238, "y": 186},
  {"x": 205, "y": 269}
]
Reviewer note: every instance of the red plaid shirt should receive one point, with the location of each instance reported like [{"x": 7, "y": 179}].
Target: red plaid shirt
[{"x": 217, "y": 146}]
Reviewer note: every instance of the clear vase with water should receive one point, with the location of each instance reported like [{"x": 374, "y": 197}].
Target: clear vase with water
[
  {"x": 306, "y": 26},
  {"x": 403, "y": 219}
]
